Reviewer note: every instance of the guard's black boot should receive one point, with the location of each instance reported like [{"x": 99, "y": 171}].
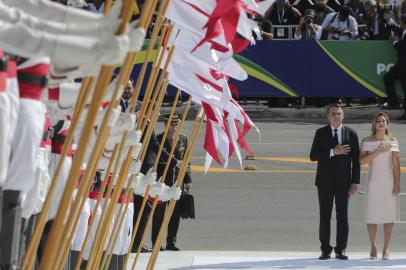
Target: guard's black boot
[{"x": 10, "y": 230}]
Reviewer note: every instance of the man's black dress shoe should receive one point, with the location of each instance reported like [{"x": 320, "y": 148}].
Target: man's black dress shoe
[
  {"x": 341, "y": 256},
  {"x": 172, "y": 247},
  {"x": 144, "y": 249},
  {"x": 324, "y": 256},
  {"x": 403, "y": 117}
]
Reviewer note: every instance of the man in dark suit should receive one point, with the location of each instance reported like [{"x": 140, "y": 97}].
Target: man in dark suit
[
  {"x": 398, "y": 71},
  {"x": 336, "y": 149},
  {"x": 126, "y": 96}
]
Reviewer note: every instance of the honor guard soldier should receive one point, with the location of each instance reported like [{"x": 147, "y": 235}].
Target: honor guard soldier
[{"x": 170, "y": 180}]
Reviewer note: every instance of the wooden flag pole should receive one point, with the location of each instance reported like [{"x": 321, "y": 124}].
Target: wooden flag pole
[
  {"x": 152, "y": 78},
  {"x": 154, "y": 170},
  {"x": 146, "y": 16},
  {"x": 30, "y": 254},
  {"x": 149, "y": 221},
  {"x": 159, "y": 85},
  {"x": 148, "y": 136},
  {"x": 79, "y": 202},
  {"x": 56, "y": 232},
  {"x": 117, "y": 164},
  {"x": 101, "y": 192},
  {"x": 155, "y": 68},
  {"x": 107, "y": 256},
  {"x": 92, "y": 264},
  {"x": 76, "y": 222},
  {"x": 168, "y": 213},
  {"x": 137, "y": 88}
]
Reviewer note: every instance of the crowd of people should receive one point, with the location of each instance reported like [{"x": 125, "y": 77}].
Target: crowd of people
[
  {"x": 339, "y": 156},
  {"x": 331, "y": 20}
]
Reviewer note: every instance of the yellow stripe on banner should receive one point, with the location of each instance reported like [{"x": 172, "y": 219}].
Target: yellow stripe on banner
[
  {"x": 256, "y": 74},
  {"x": 352, "y": 74},
  {"x": 141, "y": 56}
]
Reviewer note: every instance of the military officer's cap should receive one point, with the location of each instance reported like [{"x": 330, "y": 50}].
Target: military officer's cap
[{"x": 175, "y": 118}]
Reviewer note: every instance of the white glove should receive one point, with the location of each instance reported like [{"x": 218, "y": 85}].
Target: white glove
[
  {"x": 137, "y": 150},
  {"x": 135, "y": 167},
  {"x": 158, "y": 189},
  {"x": 68, "y": 94},
  {"x": 140, "y": 188},
  {"x": 148, "y": 179},
  {"x": 72, "y": 52},
  {"x": 136, "y": 36},
  {"x": 172, "y": 192},
  {"x": 144, "y": 181},
  {"x": 125, "y": 122},
  {"x": 135, "y": 181},
  {"x": 101, "y": 27},
  {"x": 114, "y": 116},
  {"x": 134, "y": 137}
]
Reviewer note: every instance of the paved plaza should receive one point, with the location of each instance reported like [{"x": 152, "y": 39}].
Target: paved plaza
[{"x": 268, "y": 218}]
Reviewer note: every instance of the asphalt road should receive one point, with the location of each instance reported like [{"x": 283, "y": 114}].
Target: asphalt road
[{"x": 274, "y": 208}]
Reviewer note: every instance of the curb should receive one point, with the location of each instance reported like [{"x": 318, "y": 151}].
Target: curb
[{"x": 264, "y": 113}]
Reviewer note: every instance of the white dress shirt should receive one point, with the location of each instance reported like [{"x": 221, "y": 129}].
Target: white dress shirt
[
  {"x": 350, "y": 24},
  {"x": 339, "y": 135}
]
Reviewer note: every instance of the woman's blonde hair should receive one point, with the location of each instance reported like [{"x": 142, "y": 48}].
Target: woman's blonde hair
[{"x": 373, "y": 129}]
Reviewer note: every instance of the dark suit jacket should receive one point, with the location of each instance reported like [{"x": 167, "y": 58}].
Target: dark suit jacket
[
  {"x": 337, "y": 172},
  {"x": 171, "y": 176},
  {"x": 383, "y": 27},
  {"x": 400, "y": 48}
]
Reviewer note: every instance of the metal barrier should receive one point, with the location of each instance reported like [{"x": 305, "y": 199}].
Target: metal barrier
[{"x": 287, "y": 32}]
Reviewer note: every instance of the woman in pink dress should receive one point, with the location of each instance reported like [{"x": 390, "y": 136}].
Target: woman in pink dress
[{"x": 380, "y": 151}]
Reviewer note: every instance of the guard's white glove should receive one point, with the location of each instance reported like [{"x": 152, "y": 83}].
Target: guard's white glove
[
  {"x": 137, "y": 150},
  {"x": 101, "y": 27},
  {"x": 72, "y": 52},
  {"x": 135, "y": 167},
  {"x": 68, "y": 94},
  {"x": 158, "y": 189},
  {"x": 135, "y": 180},
  {"x": 144, "y": 181},
  {"x": 149, "y": 179},
  {"x": 125, "y": 122},
  {"x": 172, "y": 192},
  {"x": 137, "y": 37},
  {"x": 115, "y": 114}
]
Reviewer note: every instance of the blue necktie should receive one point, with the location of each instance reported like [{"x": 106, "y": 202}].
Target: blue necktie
[{"x": 335, "y": 138}]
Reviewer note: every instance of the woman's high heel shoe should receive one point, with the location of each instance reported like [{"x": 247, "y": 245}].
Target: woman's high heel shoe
[
  {"x": 385, "y": 254},
  {"x": 373, "y": 254}
]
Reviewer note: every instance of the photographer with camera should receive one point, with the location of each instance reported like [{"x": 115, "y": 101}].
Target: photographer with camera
[
  {"x": 340, "y": 25},
  {"x": 307, "y": 30},
  {"x": 377, "y": 27}
]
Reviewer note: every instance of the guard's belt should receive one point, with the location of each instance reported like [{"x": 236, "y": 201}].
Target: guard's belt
[{"x": 32, "y": 79}]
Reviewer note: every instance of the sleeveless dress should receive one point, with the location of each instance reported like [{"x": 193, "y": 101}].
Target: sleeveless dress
[{"x": 380, "y": 205}]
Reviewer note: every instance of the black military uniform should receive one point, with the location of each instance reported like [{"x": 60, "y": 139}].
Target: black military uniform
[
  {"x": 147, "y": 164},
  {"x": 170, "y": 180}
]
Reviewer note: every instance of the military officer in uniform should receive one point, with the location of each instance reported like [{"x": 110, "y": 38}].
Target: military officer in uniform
[{"x": 170, "y": 180}]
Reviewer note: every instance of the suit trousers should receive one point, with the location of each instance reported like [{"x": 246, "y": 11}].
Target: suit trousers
[
  {"x": 394, "y": 74},
  {"x": 173, "y": 225},
  {"x": 326, "y": 199}
]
